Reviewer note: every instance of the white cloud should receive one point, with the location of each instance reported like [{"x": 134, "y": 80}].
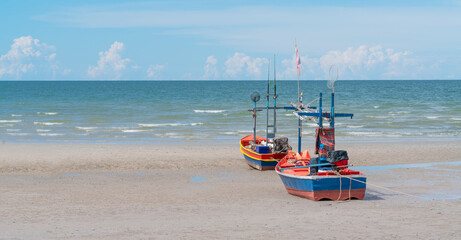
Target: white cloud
[
  {"x": 27, "y": 57},
  {"x": 110, "y": 63},
  {"x": 235, "y": 65},
  {"x": 153, "y": 72},
  {"x": 211, "y": 72}
]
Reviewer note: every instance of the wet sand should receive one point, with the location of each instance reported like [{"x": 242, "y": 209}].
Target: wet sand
[{"x": 174, "y": 191}]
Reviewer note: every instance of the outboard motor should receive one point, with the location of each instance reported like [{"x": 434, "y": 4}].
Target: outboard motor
[
  {"x": 339, "y": 158},
  {"x": 281, "y": 145}
]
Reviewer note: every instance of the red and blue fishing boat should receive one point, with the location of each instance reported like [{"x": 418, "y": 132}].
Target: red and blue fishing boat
[
  {"x": 263, "y": 153},
  {"x": 326, "y": 176},
  {"x": 261, "y": 157}
]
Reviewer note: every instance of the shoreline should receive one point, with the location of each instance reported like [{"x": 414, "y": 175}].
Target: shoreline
[{"x": 83, "y": 157}]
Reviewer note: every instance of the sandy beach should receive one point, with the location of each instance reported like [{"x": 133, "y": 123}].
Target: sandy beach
[{"x": 176, "y": 191}]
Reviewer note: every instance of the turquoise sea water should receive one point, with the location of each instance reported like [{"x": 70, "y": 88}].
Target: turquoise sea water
[{"x": 153, "y": 111}]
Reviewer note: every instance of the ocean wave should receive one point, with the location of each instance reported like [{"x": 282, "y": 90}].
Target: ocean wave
[
  {"x": 244, "y": 131},
  {"x": 16, "y": 115},
  {"x": 432, "y": 117},
  {"x": 378, "y": 117},
  {"x": 455, "y": 119},
  {"x": 18, "y": 134},
  {"x": 13, "y": 130},
  {"x": 149, "y": 125},
  {"x": 375, "y": 107},
  {"x": 48, "y": 123},
  {"x": 352, "y": 126},
  {"x": 169, "y": 135},
  {"x": 10, "y": 121},
  {"x": 47, "y": 113},
  {"x": 230, "y": 133},
  {"x": 43, "y": 130},
  {"x": 51, "y": 134},
  {"x": 400, "y": 112},
  {"x": 310, "y": 124},
  {"x": 86, "y": 128},
  {"x": 209, "y": 111},
  {"x": 363, "y": 133},
  {"x": 118, "y": 128},
  {"x": 133, "y": 130}
]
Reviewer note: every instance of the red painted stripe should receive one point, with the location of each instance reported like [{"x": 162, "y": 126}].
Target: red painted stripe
[{"x": 262, "y": 156}]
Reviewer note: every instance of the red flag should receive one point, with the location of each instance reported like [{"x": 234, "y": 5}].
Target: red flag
[{"x": 298, "y": 60}]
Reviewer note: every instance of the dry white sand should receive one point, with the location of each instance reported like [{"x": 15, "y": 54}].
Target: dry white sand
[{"x": 206, "y": 190}]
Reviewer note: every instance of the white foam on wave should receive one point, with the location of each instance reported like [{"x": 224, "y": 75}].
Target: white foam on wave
[
  {"x": 43, "y": 130},
  {"x": 16, "y": 115},
  {"x": 230, "y": 133},
  {"x": 149, "y": 125},
  {"x": 47, "y": 113},
  {"x": 119, "y": 128},
  {"x": 13, "y": 130},
  {"x": 133, "y": 130},
  {"x": 209, "y": 111},
  {"x": 432, "y": 117},
  {"x": 48, "y": 123},
  {"x": 455, "y": 119},
  {"x": 376, "y": 107},
  {"x": 310, "y": 124},
  {"x": 378, "y": 117},
  {"x": 352, "y": 126},
  {"x": 10, "y": 121},
  {"x": 244, "y": 131},
  {"x": 18, "y": 134},
  {"x": 86, "y": 128},
  {"x": 400, "y": 112},
  {"x": 51, "y": 134},
  {"x": 362, "y": 133},
  {"x": 169, "y": 135}
]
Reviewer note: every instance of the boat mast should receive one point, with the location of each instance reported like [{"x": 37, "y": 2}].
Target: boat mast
[
  {"x": 275, "y": 99},
  {"x": 300, "y": 126}
]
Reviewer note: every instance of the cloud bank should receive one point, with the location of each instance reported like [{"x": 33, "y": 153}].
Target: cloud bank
[{"x": 353, "y": 63}]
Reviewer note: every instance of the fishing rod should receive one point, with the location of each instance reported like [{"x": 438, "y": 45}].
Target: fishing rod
[{"x": 267, "y": 98}]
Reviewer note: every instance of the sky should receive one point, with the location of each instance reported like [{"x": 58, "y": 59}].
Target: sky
[{"x": 229, "y": 40}]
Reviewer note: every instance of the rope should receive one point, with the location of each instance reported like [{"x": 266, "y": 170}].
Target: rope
[
  {"x": 307, "y": 110},
  {"x": 400, "y": 192},
  {"x": 341, "y": 185}
]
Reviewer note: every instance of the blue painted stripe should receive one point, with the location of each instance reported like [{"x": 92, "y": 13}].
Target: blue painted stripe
[
  {"x": 320, "y": 183},
  {"x": 261, "y": 163}
]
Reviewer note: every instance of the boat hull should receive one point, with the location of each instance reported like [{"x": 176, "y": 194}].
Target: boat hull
[
  {"x": 260, "y": 164},
  {"x": 330, "y": 187}
]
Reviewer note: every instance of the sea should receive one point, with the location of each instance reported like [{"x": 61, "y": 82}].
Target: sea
[{"x": 218, "y": 111}]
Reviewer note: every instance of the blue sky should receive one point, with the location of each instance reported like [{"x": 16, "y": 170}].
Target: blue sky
[{"x": 228, "y": 40}]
